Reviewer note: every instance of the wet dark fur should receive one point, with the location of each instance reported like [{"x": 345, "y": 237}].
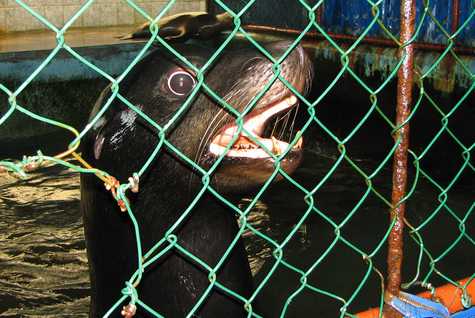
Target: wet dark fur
[{"x": 174, "y": 283}]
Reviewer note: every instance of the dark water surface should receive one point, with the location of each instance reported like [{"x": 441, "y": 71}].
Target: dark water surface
[{"x": 43, "y": 265}]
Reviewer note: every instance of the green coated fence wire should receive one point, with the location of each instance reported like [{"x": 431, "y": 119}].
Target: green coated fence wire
[{"x": 421, "y": 277}]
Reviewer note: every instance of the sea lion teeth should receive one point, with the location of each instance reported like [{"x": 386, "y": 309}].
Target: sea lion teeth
[
  {"x": 299, "y": 143},
  {"x": 275, "y": 146},
  {"x": 292, "y": 100}
]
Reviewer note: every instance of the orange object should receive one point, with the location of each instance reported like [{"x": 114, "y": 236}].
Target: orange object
[{"x": 449, "y": 295}]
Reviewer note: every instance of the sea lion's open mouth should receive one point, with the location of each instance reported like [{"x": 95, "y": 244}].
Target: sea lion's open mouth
[{"x": 254, "y": 125}]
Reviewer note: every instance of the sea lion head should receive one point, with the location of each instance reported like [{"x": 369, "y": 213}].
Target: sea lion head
[{"x": 186, "y": 123}]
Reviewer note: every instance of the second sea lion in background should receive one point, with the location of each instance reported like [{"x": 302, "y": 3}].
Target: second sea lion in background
[{"x": 183, "y": 26}]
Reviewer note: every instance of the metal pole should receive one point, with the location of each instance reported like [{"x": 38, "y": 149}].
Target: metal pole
[
  {"x": 455, "y": 16},
  {"x": 404, "y": 99}
]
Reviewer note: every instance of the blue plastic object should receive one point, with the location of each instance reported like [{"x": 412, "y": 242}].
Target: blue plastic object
[
  {"x": 412, "y": 306},
  {"x": 469, "y": 313}
]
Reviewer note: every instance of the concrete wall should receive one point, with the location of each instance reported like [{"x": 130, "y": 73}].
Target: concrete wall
[{"x": 100, "y": 13}]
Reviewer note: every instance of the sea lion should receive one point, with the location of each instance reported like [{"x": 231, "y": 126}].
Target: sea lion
[
  {"x": 184, "y": 26},
  {"x": 120, "y": 142}
]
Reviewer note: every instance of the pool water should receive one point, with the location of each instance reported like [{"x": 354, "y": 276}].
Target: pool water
[{"x": 43, "y": 264}]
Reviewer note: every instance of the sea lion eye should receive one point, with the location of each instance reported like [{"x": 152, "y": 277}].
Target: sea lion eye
[{"x": 180, "y": 82}]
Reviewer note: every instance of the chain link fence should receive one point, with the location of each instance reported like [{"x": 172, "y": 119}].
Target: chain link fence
[{"x": 429, "y": 264}]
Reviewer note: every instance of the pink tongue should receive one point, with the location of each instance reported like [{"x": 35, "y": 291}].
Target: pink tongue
[{"x": 254, "y": 124}]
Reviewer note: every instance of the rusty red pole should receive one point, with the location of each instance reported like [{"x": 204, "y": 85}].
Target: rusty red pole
[
  {"x": 320, "y": 14},
  {"x": 404, "y": 99},
  {"x": 455, "y": 16}
]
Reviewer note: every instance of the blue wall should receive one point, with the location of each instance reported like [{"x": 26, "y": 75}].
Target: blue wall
[{"x": 352, "y": 17}]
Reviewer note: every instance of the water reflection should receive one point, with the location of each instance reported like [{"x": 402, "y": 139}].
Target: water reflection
[{"x": 43, "y": 264}]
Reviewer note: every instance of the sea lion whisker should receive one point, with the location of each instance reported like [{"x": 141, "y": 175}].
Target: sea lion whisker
[
  {"x": 276, "y": 122},
  {"x": 292, "y": 126},
  {"x": 204, "y": 140},
  {"x": 285, "y": 119},
  {"x": 201, "y": 148},
  {"x": 206, "y": 133},
  {"x": 201, "y": 145},
  {"x": 213, "y": 126}
]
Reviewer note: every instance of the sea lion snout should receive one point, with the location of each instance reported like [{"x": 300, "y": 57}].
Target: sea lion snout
[{"x": 268, "y": 81}]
